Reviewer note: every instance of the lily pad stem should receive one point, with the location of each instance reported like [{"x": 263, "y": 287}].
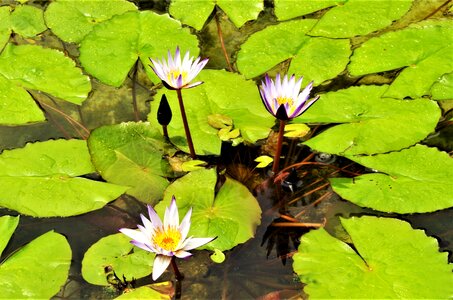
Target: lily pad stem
[
  {"x": 278, "y": 151},
  {"x": 222, "y": 43},
  {"x": 186, "y": 125}
]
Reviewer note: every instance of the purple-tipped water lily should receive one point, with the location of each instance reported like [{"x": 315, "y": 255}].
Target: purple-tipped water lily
[
  {"x": 177, "y": 74},
  {"x": 283, "y": 99},
  {"x": 167, "y": 239}
]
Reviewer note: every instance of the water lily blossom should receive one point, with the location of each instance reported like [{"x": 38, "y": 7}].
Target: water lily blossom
[
  {"x": 176, "y": 73},
  {"x": 168, "y": 239},
  {"x": 283, "y": 98}
]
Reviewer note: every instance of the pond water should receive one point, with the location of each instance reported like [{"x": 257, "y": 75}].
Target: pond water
[{"x": 262, "y": 267}]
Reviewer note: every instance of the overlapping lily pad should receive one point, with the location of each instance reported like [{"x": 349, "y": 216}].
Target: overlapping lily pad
[
  {"x": 443, "y": 88},
  {"x": 414, "y": 180},
  {"x": 115, "y": 251},
  {"x": 27, "y": 20},
  {"x": 371, "y": 124},
  {"x": 285, "y": 10},
  {"x": 318, "y": 59},
  {"x": 40, "y": 180},
  {"x": 5, "y": 28},
  {"x": 424, "y": 50},
  {"x": 195, "y": 13},
  {"x": 221, "y": 93},
  {"x": 231, "y": 215},
  {"x": 71, "y": 20},
  {"x": 144, "y": 292},
  {"x": 36, "y": 68},
  {"x": 110, "y": 50},
  {"x": 38, "y": 269},
  {"x": 390, "y": 260},
  {"x": 131, "y": 154}
]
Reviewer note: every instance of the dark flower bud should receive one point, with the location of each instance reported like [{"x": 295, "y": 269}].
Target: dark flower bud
[{"x": 164, "y": 112}]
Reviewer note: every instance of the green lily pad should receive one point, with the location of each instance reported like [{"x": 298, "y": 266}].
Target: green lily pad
[
  {"x": 317, "y": 59},
  {"x": 287, "y": 9},
  {"x": 131, "y": 154},
  {"x": 8, "y": 225},
  {"x": 357, "y": 17},
  {"x": 143, "y": 292},
  {"x": 231, "y": 215},
  {"x": 27, "y": 20},
  {"x": 221, "y": 93},
  {"x": 424, "y": 50},
  {"x": 48, "y": 70},
  {"x": 195, "y": 13},
  {"x": 390, "y": 260},
  {"x": 5, "y": 27},
  {"x": 371, "y": 124},
  {"x": 117, "y": 252},
  {"x": 72, "y": 20},
  {"x": 16, "y": 105},
  {"x": 37, "y": 270},
  {"x": 443, "y": 88},
  {"x": 414, "y": 180},
  {"x": 110, "y": 50},
  {"x": 41, "y": 180}
]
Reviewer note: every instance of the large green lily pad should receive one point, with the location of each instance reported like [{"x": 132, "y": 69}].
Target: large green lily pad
[
  {"x": 317, "y": 59},
  {"x": 371, "y": 124},
  {"x": 41, "y": 180},
  {"x": 43, "y": 69},
  {"x": 37, "y": 270},
  {"x": 8, "y": 225},
  {"x": 287, "y": 9},
  {"x": 222, "y": 93},
  {"x": 117, "y": 252},
  {"x": 390, "y": 260},
  {"x": 131, "y": 154},
  {"x": 143, "y": 292},
  {"x": 443, "y": 88},
  {"x": 414, "y": 180},
  {"x": 5, "y": 28},
  {"x": 72, "y": 20},
  {"x": 27, "y": 20},
  {"x": 231, "y": 215},
  {"x": 110, "y": 50},
  {"x": 424, "y": 50},
  {"x": 195, "y": 13}
]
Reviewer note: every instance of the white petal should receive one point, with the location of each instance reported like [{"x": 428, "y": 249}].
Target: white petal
[
  {"x": 160, "y": 264},
  {"x": 193, "y": 243},
  {"x": 134, "y": 234},
  {"x": 145, "y": 247},
  {"x": 182, "y": 254},
  {"x": 171, "y": 214},
  {"x": 185, "y": 225},
  {"x": 155, "y": 219}
]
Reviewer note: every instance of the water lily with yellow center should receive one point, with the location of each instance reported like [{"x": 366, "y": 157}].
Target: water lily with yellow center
[
  {"x": 176, "y": 73},
  {"x": 167, "y": 239},
  {"x": 283, "y": 98}
]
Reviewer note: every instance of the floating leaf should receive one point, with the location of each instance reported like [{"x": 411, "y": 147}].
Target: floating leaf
[
  {"x": 16, "y": 105},
  {"x": 195, "y": 13},
  {"x": 443, "y": 88},
  {"x": 131, "y": 154},
  {"x": 41, "y": 180},
  {"x": 317, "y": 59},
  {"x": 219, "y": 121},
  {"x": 117, "y": 252},
  {"x": 193, "y": 165},
  {"x": 296, "y": 130},
  {"x": 285, "y": 10},
  {"x": 390, "y": 260},
  {"x": 8, "y": 225},
  {"x": 371, "y": 124},
  {"x": 263, "y": 161},
  {"x": 110, "y": 50},
  {"x": 231, "y": 215},
  {"x": 235, "y": 98},
  {"x": 218, "y": 256},
  {"x": 5, "y": 28},
  {"x": 357, "y": 17},
  {"x": 425, "y": 49},
  {"x": 144, "y": 292},
  {"x": 27, "y": 20},
  {"x": 414, "y": 180},
  {"x": 72, "y": 20},
  {"x": 43, "y": 69},
  {"x": 37, "y": 270}
]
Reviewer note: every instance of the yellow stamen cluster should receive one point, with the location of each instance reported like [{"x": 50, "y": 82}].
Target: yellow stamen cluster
[
  {"x": 284, "y": 100},
  {"x": 167, "y": 239},
  {"x": 174, "y": 74}
]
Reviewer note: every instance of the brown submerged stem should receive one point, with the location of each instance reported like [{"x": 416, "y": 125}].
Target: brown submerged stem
[
  {"x": 186, "y": 125},
  {"x": 222, "y": 43},
  {"x": 281, "y": 130}
]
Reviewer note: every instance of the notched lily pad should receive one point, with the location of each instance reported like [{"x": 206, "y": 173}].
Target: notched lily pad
[
  {"x": 369, "y": 121},
  {"x": 231, "y": 215},
  {"x": 27, "y": 20},
  {"x": 5, "y": 27},
  {"x": 443, "y": 88},
  {"x": 41, "y": 180},
  {"x": 285, "y": 10},
  {"x": 117, "y": 253},
  {"x": 414, "y": 180},
  {"x": 390, "y": 260}
]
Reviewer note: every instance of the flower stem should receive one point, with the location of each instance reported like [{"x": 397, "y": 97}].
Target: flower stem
[
  {"x": 186, "y": 125},
  {"x": 222, "y": 43},
  {"x": 178, "y": 274},
  {"x": 134, "y": 92},
  {"x": 279, "y": 147}
]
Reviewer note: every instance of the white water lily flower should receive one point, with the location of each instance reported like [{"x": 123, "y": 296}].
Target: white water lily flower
[
  {"x": 177, "y": 74},
  {"x": 166, "y": 239}
]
